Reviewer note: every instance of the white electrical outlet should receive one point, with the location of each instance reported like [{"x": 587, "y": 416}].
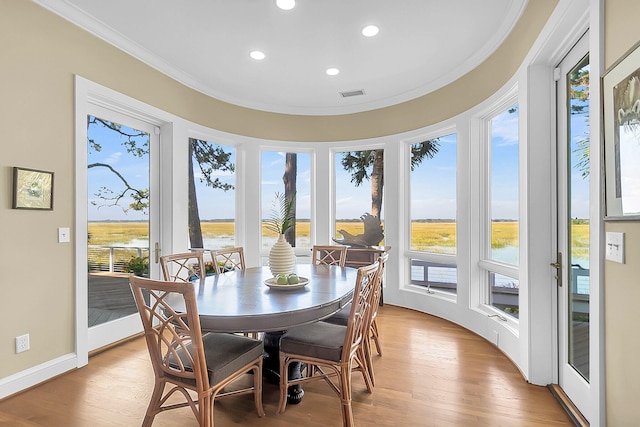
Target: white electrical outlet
[{"x": 22, "y": 343}]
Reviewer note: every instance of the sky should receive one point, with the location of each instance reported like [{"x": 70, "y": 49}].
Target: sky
[{"x": 433, "y": 182}]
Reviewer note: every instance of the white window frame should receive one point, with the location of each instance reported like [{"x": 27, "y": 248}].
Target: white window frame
[
  {"x": 480, "y": 298},
  {"x": 304, "y": 148},
  {"x": 215, "y": 137},
  {"x": 405, "y": 152},
  {"x": 341, "y": 148}
]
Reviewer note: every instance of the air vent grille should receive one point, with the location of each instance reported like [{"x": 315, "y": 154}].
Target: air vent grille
[{"x": 351, "y": 93}]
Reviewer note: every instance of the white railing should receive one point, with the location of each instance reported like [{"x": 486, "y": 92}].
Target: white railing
[{"x": 113, "y": 259}]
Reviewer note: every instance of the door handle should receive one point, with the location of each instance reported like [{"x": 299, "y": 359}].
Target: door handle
[
  {"x": 157, "y": 252},
  {"x": 558, "y": 266}
]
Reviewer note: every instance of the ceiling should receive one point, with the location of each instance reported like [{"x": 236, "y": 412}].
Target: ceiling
[{"x": 205, "y": 44}]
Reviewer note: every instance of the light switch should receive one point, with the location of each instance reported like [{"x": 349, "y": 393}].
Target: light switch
[
  {"x": 64, "y": 235},
  {"x": 615, "y": 247}
]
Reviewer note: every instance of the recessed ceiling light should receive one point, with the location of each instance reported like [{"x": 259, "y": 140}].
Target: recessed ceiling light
[
  {"x": 370, "y": 30},
  {"x": 286, "y": 4},
  {"x": 333, "y": 71},
  {"x": 257, "y": 55}
]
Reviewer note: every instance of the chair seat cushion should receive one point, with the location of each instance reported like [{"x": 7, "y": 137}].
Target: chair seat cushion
[
  {"x": 341, "y": 317},
  {"x": 225, "y": 354},
  {"x": 321, "y": 340}
]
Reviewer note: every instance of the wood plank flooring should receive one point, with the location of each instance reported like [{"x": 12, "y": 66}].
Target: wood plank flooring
[{"x": 432, "y": 373}]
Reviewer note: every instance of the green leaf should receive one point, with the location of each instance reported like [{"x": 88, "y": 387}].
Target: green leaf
[{"x": 281, "y": 218}]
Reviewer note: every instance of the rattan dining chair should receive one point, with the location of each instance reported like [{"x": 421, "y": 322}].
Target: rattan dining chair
[
  {"x": 228, "y": 259},
  {"x": 336, "y": 349},
  {"x": 183, "y": 267},
  {"x": 184, "y": 360},
  {"x": 329, "y": 255},
  {"x": 342, "y": 317}
]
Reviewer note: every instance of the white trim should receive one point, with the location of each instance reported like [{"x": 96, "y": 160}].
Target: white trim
[
  {"x": 35, "y": 375},
  {"x": 597, "y": 371},
  {"x": 88, "y": 94}
]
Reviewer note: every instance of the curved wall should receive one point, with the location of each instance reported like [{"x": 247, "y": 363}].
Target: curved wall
[
  {"x": 42, "y": 52},
  {"x": 128, "y": 77}
]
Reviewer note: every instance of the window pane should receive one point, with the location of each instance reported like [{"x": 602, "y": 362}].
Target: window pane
[
  {"x": 433, "y": 195},
  {"x": 212, "y": 199},
  {"x": 504, "y": 187},
  {"x": 578, "y": 188},
  {"x": 295, "y": 168},
  {"x": 505, "y": 293},
  {"x": 433, "y": 275},
  {"x": 359, "y": 189}
]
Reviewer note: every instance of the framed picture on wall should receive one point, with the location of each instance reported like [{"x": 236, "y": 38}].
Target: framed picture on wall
[
  {"x": 32, "y": 189},
  {"x": 621, "y": 109}
]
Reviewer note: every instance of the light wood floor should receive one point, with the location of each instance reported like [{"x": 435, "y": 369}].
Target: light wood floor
[{"x": 432, "y": 373}]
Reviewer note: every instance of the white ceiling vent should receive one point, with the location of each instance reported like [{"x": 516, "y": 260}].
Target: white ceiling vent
[{"x": 351, "y": 93}]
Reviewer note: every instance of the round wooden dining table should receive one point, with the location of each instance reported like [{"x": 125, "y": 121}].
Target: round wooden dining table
[{"x": 240, "y": 301}]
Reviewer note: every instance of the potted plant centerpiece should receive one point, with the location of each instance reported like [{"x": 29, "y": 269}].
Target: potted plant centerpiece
[{"x": 282, "y": 257}]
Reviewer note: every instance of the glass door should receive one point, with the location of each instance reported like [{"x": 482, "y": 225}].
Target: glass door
[
  {"x": 120, "y": 220},
  {"x": 573, "y": 226}
]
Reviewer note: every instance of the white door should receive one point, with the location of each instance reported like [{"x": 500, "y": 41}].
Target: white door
[
  {"x": 122, "y": 218},
  {"x": 573, "y": 226}
]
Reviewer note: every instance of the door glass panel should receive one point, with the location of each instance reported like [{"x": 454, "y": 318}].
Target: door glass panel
[
  {"x": 578, "y": 221},
  {"x": 118, "y": 216}
]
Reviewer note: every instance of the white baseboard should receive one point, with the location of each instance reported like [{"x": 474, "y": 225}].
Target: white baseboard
[{"x": 37, "y": 374}]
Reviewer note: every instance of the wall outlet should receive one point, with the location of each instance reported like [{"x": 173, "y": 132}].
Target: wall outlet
[{"x": 22, "y": 343}]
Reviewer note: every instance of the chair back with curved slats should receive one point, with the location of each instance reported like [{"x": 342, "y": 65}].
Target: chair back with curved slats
[
  {"x": 332, "y": 352},
  {"x": 361, "y": 308},
  {"x": 228, "y": 259},
  {"x": 183, "y": 267},
  {"x": 329, "y": 255},
  {"x": 186, "y": 359}
]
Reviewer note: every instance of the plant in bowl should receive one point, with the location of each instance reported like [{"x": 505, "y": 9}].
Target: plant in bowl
[{"x": 282, "y": 258}]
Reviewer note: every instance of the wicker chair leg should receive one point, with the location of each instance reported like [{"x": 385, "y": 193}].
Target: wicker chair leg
[
  {"x": 376, "y": 336},
  {"x": 345, "y": 397}
]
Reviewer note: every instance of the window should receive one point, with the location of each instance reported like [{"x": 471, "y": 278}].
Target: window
[
  {"x": 279, "y": 171},
  {"x": 503, "y": 246},
  {"x": 433, "y": 213},
  {"x": 359, "y": 184},
  {"x": 212, "y": 205}
]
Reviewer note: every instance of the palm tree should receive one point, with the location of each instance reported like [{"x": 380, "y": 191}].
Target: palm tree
[{"x": 369, "y": 165}]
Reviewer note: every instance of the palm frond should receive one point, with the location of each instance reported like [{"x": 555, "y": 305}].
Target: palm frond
[{"x": 281, "y": 218}]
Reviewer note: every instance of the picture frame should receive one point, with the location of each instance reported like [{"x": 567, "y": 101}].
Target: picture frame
[
  {"x": 32, "y": 189},
  {"x": 621, "y": 150}
]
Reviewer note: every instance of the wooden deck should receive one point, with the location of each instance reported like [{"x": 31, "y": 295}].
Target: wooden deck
[{"x": 110, "y": 297}]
